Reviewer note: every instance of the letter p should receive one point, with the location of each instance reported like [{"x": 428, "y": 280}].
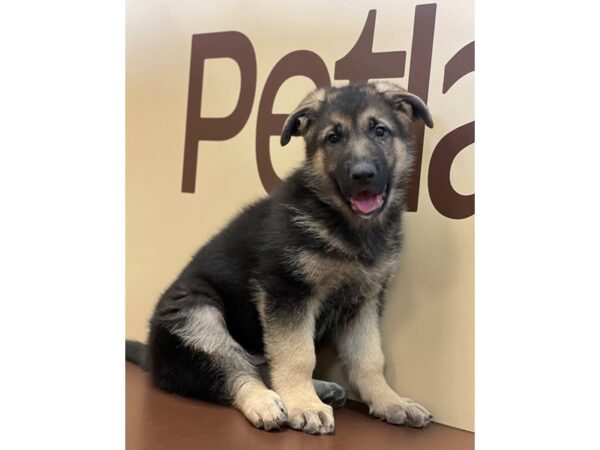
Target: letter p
[{"x": 229, "y": 44}]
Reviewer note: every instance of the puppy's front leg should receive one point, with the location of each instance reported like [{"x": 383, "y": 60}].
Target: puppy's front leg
[
  {"x": 359, "y": 346},
  {"x": 290, "y": 348}
]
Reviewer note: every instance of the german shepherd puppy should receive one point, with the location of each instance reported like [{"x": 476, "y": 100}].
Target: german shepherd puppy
[{"x": 307, "y": 265}]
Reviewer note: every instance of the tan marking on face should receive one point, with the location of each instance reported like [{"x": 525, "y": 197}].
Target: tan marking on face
[
  {"x": 359, "y": 149},
  {"x": 400, "y": 166},
  {"x": 334, "y": 120},
  {"x": 318, "y": 163},
  {"x": 376, "y": 114},
  {"x": 403, "y": 159},
  {"x": 318, "y": 168},
  {"x": 372, "y": 113}
]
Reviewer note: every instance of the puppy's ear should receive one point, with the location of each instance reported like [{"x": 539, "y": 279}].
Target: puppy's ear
[
  {"x": 300, "y": 120},
  {"x": 404, "y": 102}
]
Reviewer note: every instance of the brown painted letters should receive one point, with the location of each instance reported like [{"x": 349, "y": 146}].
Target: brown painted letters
[{"x": 359, "y": 64}]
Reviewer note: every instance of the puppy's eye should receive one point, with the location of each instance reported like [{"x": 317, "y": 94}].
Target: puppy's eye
[
  {"x": 333, "y": 138},
  {"x": 380, "y": 131}
]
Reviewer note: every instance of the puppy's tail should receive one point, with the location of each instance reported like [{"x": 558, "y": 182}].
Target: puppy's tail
[{"x": 136, "y": 352}]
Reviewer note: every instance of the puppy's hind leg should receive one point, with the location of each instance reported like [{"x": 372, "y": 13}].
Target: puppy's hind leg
[
  {"x": 330, "y": 393},
  {"x": 202, "y": 330}
]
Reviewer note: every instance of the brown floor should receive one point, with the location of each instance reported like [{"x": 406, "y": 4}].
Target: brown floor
[{"x": 160, "y": 421}]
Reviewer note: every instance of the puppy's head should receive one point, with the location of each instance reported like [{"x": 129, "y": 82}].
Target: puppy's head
[{"x": 358, "y": 144}]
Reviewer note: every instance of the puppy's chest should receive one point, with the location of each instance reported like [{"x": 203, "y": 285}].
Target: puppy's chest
[
  {"x": 341, "y": 286},
  {"x": 343, "y": 277},
  {"x": 336, "y": 310}
]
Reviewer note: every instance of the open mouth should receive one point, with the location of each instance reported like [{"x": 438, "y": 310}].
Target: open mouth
[{"x": 367, "y": 203}]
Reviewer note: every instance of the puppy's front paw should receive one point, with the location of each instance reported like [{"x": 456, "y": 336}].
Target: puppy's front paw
[
  {"x": 312, "y": 418},
  {"x": 402, "y": 412},
  {"x": 264, "y": 409}
]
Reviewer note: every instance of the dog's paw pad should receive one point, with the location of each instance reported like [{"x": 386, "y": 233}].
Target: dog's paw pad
[
  {"x": 404, "y": 413},
  {"x": 265, "y": 410},
  {"x": 317, "y": 420}
]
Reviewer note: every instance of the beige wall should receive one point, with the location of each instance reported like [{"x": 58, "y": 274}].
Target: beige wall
[{"x": 428, "y": 324}]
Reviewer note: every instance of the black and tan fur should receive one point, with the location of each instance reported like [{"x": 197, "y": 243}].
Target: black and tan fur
[{"x": 298, "y": 269}]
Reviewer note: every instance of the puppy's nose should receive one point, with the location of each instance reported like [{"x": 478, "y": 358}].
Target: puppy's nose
[{"x": 362, "y": 172}]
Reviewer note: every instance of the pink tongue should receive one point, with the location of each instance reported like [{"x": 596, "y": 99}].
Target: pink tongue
[{"x": 366, "y": 203}]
